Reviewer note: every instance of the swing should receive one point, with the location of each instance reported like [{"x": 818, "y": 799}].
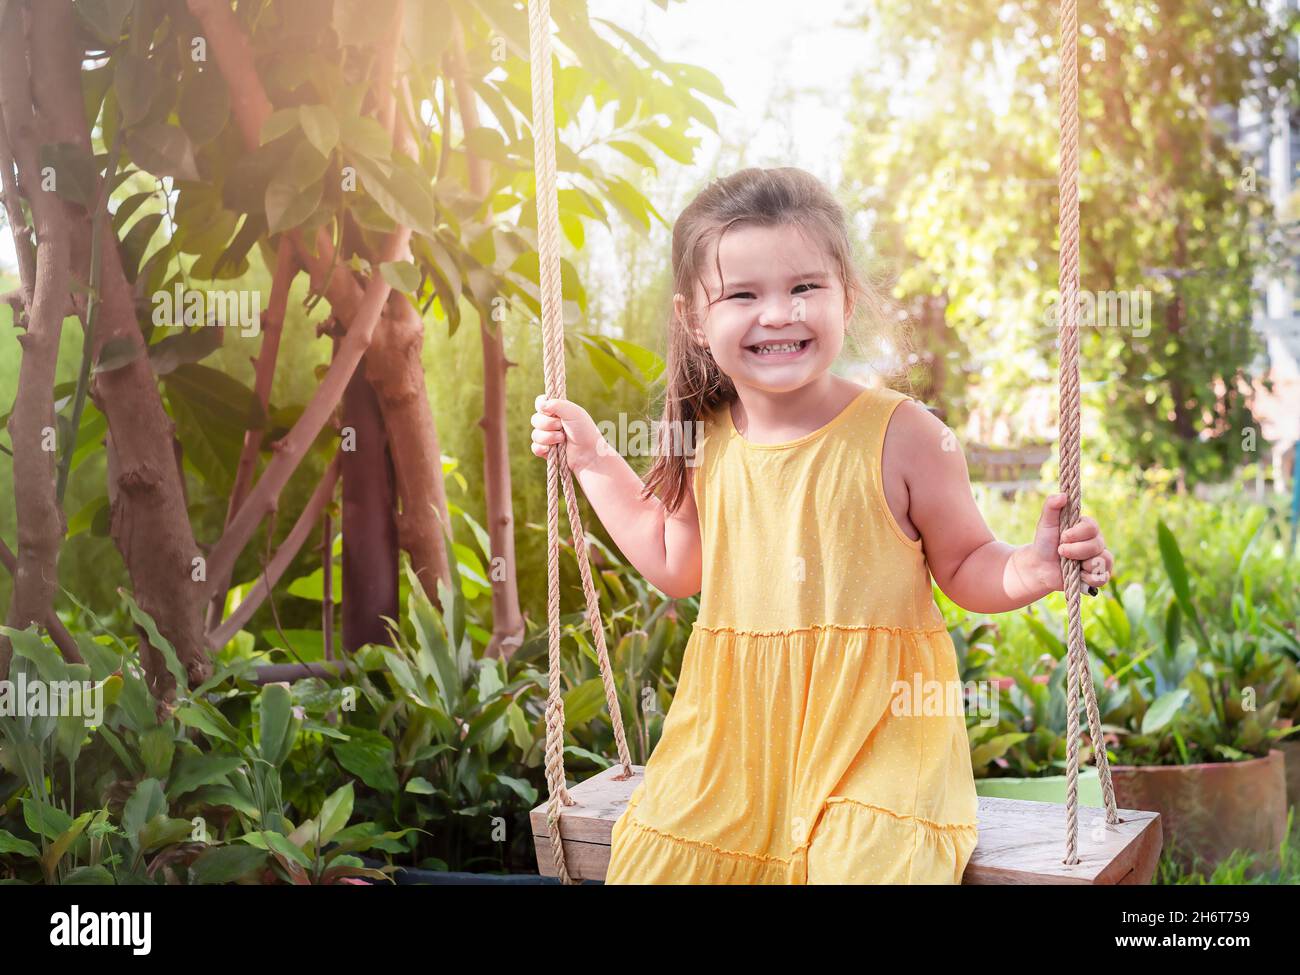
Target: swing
[{"x": 1017, "y": 838}]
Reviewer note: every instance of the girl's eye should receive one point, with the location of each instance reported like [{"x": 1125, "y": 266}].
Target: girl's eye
[
  {"x": 741, "y": 294},
  {"x": 807, "y": 284}
]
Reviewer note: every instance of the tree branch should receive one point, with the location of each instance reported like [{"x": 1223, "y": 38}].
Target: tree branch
[
  {"x": 285, "y": 269},
  {"x": 58, "y": 632},
  {"x": 219, "y": 636},
  {"x": 289, "y": 452}
]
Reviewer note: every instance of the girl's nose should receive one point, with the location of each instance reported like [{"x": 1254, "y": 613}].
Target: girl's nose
[{"x": 777, "y": 310}]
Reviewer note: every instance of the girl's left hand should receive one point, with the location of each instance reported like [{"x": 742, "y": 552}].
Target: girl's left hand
[{"x": 1082, "y": 542}]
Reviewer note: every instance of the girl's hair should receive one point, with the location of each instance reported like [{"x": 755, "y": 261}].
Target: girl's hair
[{"x": 695, "y": 386}]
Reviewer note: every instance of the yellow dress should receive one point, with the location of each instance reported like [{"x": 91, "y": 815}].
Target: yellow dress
[{"x": 817, "y": 735}]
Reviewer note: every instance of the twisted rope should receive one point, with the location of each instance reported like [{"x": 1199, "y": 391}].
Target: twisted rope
[
  {"x": 1078, "y": 671},
  {"x": 557, "y": 468}
]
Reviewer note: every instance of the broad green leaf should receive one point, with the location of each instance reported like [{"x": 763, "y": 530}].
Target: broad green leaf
[
  {"x": 402, "y": 275},
  {"x": 157, "y": 640},
  {"x": 192, "y": 771},
  {"x": 205, "y": 105},
  {"x": 45, "y": 820},
  {"x": 226, "y": 864},
  {"x": 145, "y": 803},
  {"x": 163, "y": 150},
  {"x": 335, "y": 813},
  {"x": 76, "y": 173},
  {"x": 320, "y": 127},
  {"x": 13, "y": 844},
  {"x": 1163, "y": 710},
  {"x": 136, "y": 82},
  {"x": 369, "y": 756},
  {"x": 287, "y": 206},
  {"x": 188, "y": 345},
  {"x": 276, "y": 726}
]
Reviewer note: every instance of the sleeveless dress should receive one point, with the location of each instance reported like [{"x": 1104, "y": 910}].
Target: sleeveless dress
[{"x": 817, "y": 735}]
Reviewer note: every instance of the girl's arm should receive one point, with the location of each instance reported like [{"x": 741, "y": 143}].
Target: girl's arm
[
  {"x": 664, "y": 548},
  {"x": 925, "y": 464}
]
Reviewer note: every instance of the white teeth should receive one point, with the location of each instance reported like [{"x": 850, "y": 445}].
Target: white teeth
[{"x": 772, "y": 349}]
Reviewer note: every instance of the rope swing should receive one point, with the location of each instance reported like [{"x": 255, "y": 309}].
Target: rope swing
[
  {"x": 1068, "y": 330},
  {"x": 558, "y": 473}
]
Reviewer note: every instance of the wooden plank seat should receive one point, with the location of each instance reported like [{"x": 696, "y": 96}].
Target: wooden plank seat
[{"x": 1020, "y": 842}]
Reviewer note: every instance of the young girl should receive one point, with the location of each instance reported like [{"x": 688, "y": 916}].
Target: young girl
[{"x": 810, "y": 519}]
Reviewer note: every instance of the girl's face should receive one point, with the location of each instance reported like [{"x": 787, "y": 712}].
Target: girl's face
[{"x": 777, "y": 317}]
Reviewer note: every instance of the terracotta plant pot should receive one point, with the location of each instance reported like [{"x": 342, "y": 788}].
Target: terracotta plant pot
[{"x": 1212, "y": 808}]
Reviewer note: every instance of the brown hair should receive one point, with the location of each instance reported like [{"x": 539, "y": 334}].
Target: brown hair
[{"x": 694, "y": 385}]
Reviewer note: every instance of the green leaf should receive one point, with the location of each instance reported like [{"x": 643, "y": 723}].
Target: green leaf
[
  {"x": 136, "y": 82},
  {"x": 403, "y": 194},
  {"x": 162, "y": 830},
  {"x": 365, "y": 137},
  {"x": 65, "y": 840},
  {"x": 45, "y": 820},
  {"x": 220, "y": 399},
  {"x": 205, "y": 106},
  {"x": 136, "y": 243},
  {"x": 287, "y": 206},
  {"x": 312, "y": 586},
  {"x": 244, "y": 189},
  {"x": 224, "y": 795},
  {"x": 207, "y": 719},
  {"x": 279, "y": 123},
  {"x": 157, "y": 640},
  {"x": 193, "y": 771},
  {"x": 278, "y": 843},
  {"x": 583, "y": 703},
  {"x": 420, "y": 787},
  {"x": 12, "y": 844},
  {"x": 335, "y": 813},
  {"x": 277, "y": 728},
  {"x": 320, "y": 127},
  {"x": 226, "y": 864},
  {"x": 157, "y": 746},
  {"x": 145, "y": 803},
  {"x": 402, "y": 275},
  {"x": 190, "y": 345},
  {"x": 96, "y": 876},
  {"x": 76, "y": 174},
  {"x": 163, "y": 150},
  {"x": 28, "y": 644},
  {"x": 1163, "y": 710},
  {"x": 369, "y": 756}
]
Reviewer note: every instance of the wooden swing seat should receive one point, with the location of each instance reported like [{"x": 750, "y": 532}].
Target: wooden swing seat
[{"x": 1019, "y": 840}]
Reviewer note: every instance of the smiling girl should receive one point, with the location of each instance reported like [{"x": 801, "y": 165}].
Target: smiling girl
[{"x": 811, "y": 521}]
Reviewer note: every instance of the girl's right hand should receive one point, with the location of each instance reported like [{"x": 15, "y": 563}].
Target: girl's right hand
[{"x": 563, "y": 421}]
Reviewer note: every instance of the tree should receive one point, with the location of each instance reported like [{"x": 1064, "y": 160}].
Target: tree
[
  {"x": 958, "y": 162},
  {"x": 317, "y": 137}
]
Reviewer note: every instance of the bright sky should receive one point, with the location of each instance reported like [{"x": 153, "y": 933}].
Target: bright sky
[{"x": 761, "y": 51}]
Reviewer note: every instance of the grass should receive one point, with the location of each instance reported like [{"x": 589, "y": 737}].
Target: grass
[{"x": 1241, "y": 866}]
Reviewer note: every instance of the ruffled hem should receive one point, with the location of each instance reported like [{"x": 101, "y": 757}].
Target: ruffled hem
[
  {"x": 853, "y": 843},
  {"x": 817, "y": 627}
]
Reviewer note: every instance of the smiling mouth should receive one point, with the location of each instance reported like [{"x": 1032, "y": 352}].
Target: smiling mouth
[{"x": 779, "y": 348}]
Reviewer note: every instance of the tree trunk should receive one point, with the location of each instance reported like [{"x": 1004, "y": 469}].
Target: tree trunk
[
  {"x": 394, "y": 369},
  {"x": 41, "y": 523},
  {"x": 369, "y": 527},
  {"x": 507, "y": 620}
]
